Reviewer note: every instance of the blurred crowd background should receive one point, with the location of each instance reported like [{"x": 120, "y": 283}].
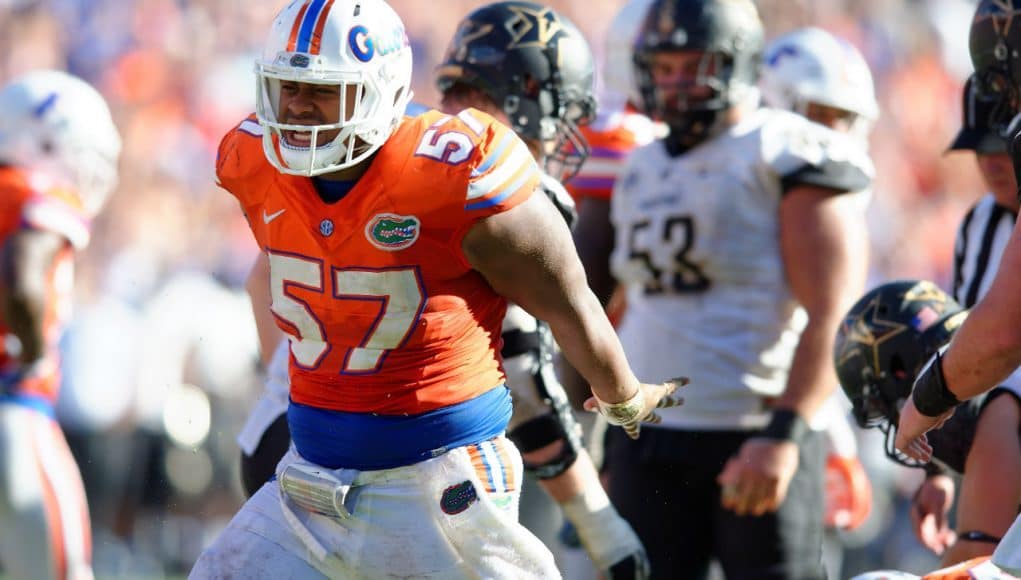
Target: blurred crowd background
[{"x": 161, "y": 360}]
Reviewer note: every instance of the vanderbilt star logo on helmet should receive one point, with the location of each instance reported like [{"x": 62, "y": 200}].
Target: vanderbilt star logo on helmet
[
  {"x": 1002, "y": 20},
  {"x": 532, "y": 27},
  {"x": 925, "y": 291},
  {"x": 468, "y": 33},
  {"x": 869, "y": 329}
]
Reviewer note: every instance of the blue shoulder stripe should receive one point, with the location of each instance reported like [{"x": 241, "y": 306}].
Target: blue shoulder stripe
[{"x": 488, "y": 162}]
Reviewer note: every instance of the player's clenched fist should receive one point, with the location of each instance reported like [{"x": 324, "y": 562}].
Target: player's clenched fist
[{"x": 640, "y": 408}]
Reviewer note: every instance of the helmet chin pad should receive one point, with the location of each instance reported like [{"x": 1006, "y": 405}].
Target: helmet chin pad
[{"x": 689, "y": 129}]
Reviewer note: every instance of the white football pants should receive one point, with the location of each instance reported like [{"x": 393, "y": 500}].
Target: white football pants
[
  {"x": 453, "y": 516},
  {"x": 44, "y": 519}
]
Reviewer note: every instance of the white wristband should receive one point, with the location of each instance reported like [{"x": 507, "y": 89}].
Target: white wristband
[{"x": 624, "y": 412}]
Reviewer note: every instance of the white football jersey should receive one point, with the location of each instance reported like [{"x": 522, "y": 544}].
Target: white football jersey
[{"x": 697, "y": 247}]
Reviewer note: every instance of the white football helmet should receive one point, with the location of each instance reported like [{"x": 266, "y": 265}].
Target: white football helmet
[
  {"x": 619, "y": 83},
  {"x": 810, "y": 65},
  {"x": 360, "y": 46},
  {"x": 58, "y": 124},
  {"x": 886, "y": 575}
]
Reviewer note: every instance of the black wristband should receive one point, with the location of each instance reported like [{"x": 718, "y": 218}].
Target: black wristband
[
  {"x": 785, "y": 425},
  {"x": 930, "y": 394}
]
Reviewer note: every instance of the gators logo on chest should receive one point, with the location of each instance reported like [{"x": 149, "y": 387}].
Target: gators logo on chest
[{"x": 392, "y": 232}]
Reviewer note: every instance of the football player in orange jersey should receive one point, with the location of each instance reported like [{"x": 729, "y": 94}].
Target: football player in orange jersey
[
  {"x": 393, "y": 246},
  {"x": 544, "y": 91},
  {"x": 980, "y": 568},
  {"x": 58, "y": 163}
]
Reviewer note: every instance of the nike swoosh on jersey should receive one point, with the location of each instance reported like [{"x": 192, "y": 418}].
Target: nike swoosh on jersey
[{"x": 268, "y": 217}]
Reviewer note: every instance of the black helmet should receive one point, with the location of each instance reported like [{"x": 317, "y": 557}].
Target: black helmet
[
  {"x": 995, "y": 45},
  {"x": 730, "y": 35},
  {"x": 975, "y": 134},
  {"x": 883, "y": 342},
  {"x": 533, "y": 63}
]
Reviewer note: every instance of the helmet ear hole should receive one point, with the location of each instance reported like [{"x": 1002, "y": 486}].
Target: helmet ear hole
[
  {"x": 897, "y": 369},
  {"x": 531, "y": 87}
]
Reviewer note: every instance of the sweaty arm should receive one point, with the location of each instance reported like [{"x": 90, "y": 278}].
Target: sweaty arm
[
  {"x": 825, "y": 252},
  {"x": 983, "y": 352},
  {"x": 991, "y": 483},
  {"x": 987, "y": 347},
  {"x": 26, "y": 259},
  {"x": 593, "y": 239},
  {"x": 527, "y": 255}
]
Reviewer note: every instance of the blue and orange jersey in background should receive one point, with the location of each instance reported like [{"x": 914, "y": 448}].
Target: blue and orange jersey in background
[
  {"x": 612, "y": 136},
  {"x": 384, "y": 312},
  {"x": 30, "y": 199}
]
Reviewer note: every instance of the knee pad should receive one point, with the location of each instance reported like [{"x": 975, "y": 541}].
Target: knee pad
[
  {"x": 538, "y": 433},
  {"x": 559, "y": 424}
]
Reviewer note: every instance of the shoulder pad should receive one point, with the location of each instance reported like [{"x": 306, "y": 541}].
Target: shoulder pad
[
  {"x": 801, "y": 152},
  {"x": 240, "y": 155},
  {"x": 503, "y": 171},
  {"x": 560, "y": 198}
]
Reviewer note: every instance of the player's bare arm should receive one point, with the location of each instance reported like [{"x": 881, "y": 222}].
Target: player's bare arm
[
  {"x": 25, "y": 261},
  {"x": 824, "y": 251},
  {"x": 527, "y": 255},
  {"x": 991, "y": 481},
  {"x": 930, "y": 509},
  {"x": 593, "y": 239},
  {"x": 982, "y": 353}
]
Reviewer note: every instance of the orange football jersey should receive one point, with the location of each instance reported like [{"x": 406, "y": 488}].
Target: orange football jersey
[
  {"x": 611, "y": 138},
  {"x": 384, "y": 313},
  {"x": 980, "y": 567},
  {"x": 32, "y": 199}
]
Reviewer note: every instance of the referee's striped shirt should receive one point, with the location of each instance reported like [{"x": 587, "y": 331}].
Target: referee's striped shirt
[{"x": 981, "y": 239}]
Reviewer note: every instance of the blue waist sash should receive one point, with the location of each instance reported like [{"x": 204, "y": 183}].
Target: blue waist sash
[
  {"x": 41, "y": 404},
  {"x": 365, "y": 441}
]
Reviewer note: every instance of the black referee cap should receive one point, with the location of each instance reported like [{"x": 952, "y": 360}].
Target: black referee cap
[{"x": 975, "y": 134}]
